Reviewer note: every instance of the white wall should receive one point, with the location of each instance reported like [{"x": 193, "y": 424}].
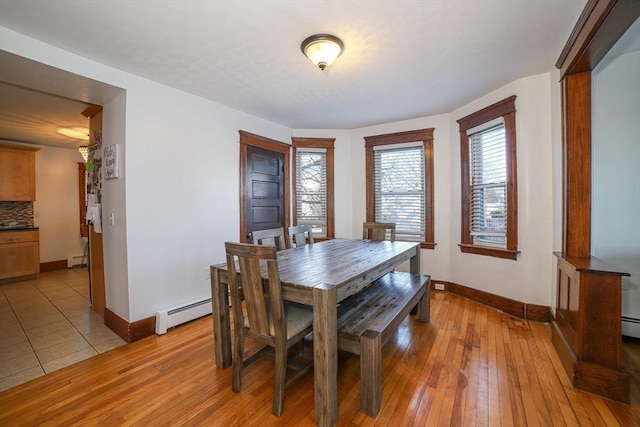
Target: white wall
[
  {"x": 615, "y": 236},
  {"x": 56, "y": 209},
  {"x": 177, "y": 199},
  {"x": 528, "y": 278},
  {"x": 179, "y": 183}
]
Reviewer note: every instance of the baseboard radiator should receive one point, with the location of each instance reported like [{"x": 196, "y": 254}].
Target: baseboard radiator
[
  {"x": 630, "y": 327},
  {"x": 171, "y": 317},
  {"x": 75, "y": 261}
]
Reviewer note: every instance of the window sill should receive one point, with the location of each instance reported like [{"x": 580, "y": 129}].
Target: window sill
[
  {"x": 489, "y": 251},
  {"x": 427, "y": 245}
]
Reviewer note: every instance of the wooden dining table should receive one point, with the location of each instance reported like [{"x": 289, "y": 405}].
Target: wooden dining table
[{"x": 319, "y": 275}]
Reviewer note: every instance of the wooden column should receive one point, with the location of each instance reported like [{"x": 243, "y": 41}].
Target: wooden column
[{"x": 576, "y": 95}]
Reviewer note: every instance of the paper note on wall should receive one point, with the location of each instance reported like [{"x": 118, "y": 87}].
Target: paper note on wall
[{"x": 111, "y": 160}]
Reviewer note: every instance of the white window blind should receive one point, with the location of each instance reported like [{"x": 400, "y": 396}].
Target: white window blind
[
  {"x": 399, "y": 189},
  {"x": 488, "y": 185},
  {"x": 311, "y": 190}
]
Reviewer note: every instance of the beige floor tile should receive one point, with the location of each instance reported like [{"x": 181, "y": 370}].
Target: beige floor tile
[
  {"x": 10, "y": 336},
  {"x": 16, "y": 364},
  {"x": 71, "y": 302},
  {"x": 49, "y": 284},
  {"x": 100, "y": 335},
  {"x": 61, "y": 349},
  {"x": 109, "y": 345},
  {"x": 35, "y": 309},
  {"x": 21, "y": 377},
  {"x": 47, "y": 329},
  {"x": 68, "y": 334},
  {"x": 8, "y": 319},
  {"x": 94, "y": 325},
  {"x": 77, "y": 317},
  {"x": 64, "y": 293},
  {"x": 34, "y": 320},
  {"x": 69, "y": 359},
  {"x": 15, "y": 350}
]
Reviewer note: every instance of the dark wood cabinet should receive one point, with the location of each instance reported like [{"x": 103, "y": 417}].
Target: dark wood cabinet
[{"x": 586, "y": 330}]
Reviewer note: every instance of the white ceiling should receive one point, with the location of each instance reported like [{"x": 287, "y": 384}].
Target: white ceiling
[{"x": 402, "y": 59}]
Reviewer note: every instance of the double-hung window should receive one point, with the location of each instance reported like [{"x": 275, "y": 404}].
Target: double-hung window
[
  {"x": 313, "y": 185},
  {"x": 400, "y": 183},
  {"x": 488, "y": 162},
  {"x": 488, "y": 187}
]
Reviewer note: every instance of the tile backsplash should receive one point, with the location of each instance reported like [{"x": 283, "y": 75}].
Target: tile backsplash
[{"x": 16, "y": 214}]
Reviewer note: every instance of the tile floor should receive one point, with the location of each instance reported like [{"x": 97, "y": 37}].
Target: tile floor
[{"x": 46, "y": 324}]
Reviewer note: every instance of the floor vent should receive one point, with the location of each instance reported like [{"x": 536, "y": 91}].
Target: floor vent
[
  {"x": 169, "y": 318},
  {"x": 630, "y": 326}
]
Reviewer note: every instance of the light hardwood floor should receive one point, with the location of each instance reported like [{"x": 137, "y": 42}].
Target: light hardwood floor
[{"x": 472, "y": 365}]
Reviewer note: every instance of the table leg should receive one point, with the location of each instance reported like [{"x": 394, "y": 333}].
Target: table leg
[
  {"x": 221, "y": 321},
  {"x": 414, "y": 262},
  {"x": 414, "y": 267},
  {"x": 425, "y": 305},
  {"x": 325, "y": 349}
]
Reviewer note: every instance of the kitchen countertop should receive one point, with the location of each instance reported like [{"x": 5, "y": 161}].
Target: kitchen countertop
[{"x": 16, "y": 227}]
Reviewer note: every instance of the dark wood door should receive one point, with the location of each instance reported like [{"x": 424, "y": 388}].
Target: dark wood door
[{"x": 264, "y": 180}]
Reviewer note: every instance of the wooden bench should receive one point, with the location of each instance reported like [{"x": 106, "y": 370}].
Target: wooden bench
[{"x": 369, "y": 318}]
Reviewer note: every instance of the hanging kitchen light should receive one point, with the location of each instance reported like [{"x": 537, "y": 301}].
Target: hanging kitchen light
[{"x": 84, "y": 152}]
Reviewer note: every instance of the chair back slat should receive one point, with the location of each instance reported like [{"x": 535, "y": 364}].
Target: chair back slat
[
  {"x": 377, "y": 231},
  {"x": 262, "y": 302},
  {"x": 270, "y": 236},
  {"x": 300, "y": 235}
]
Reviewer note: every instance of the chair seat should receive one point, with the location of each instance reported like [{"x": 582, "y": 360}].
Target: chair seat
[{"x": 299, "y": 318}]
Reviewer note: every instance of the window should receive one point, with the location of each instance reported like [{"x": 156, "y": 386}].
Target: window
[
  {"x": 400, "y": 183},
  {"x": 489, "y": 197},
  {"x": 313, "y": 185}
]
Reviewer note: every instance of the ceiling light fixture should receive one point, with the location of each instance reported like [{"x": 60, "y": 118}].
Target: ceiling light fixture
[
  {"x": 322, "y": 49},
  {"x": 84, "y": 152},
  {"x": 77, "y": 133}
]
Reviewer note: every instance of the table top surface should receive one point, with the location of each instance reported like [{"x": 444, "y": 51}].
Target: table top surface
[{"x": 337, "y": 261}]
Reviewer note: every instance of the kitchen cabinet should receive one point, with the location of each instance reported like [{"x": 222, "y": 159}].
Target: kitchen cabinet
[
  {"x": 19, "y": 253},
  {"x": 17, "y": 173}
]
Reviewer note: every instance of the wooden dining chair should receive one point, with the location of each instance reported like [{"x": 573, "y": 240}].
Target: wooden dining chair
[
  {"x": 300, "y": 235},
  {"x": 266, "y": 317},
  {"x": 270, "y": 236},
  {"x": 377, "y": 231}
]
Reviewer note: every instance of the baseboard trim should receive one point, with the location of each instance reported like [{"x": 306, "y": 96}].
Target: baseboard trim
[
  {"x": 130, "y": 332},
  {"x": 538, "y": 313},
  {"x": 53, "y": 265}
]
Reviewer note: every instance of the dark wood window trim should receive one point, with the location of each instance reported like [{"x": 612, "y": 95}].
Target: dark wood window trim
[
  {"x": 328, "y": 144},
  {"x": 421, "y": 135},
  {"x": 246, "y": 139},
  {"x": 506, "y": 109}
]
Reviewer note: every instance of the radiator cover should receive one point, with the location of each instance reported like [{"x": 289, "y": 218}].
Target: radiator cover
[{"x": 171, "y": 317}]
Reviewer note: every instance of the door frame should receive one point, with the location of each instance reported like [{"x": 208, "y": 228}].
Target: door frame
[{"x": 247, "y": 139}]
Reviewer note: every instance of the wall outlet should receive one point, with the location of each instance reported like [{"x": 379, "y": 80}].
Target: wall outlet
[
  {"x": 439, "y": 286},
  {"x": 207, "y": 272}
]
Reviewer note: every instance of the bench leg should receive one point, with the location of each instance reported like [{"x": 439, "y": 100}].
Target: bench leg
[
  {"x": 370, "y": 372},
  {"x": 425, "y": 306}
]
